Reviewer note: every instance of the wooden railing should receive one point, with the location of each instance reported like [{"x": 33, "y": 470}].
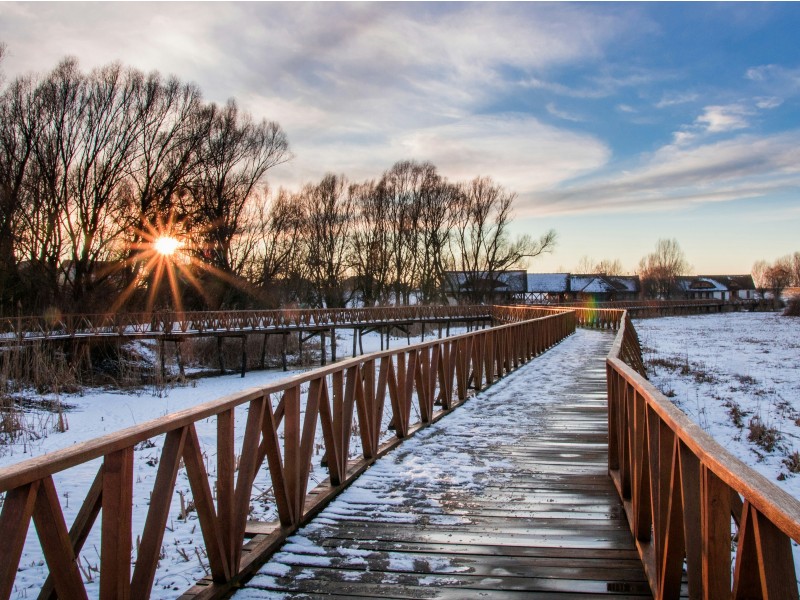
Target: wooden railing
[
  {"x": 656, "y": 304},
  {"x": 204, "y": 322},
  {"x": 599, "y": 318},
  {"x": 432, "y": 377},
  {"x": 681, "y": 490}
]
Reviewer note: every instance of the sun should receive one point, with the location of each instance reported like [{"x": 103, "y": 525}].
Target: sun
[
  {"x": 167, "y": 245},
  {"x": 164, "y": 255}
]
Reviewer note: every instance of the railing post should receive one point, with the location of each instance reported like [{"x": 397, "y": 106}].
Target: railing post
[{"x": 115, "y": 542}]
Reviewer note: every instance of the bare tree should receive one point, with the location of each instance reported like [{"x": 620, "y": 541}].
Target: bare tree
[
  {"x": 759, "y": 273},
  {"x": 483, "y": 242},
  {"x": 437, "y": 212},
  {"x": 586, "y": 264},
  {"x": 610, "y": 267},
  {"x": 371, "y": 256},
  {"x": 269, "y": 246},
  {"x": 89, "y": 160},
  {"x": 660, "y": 269},
  {"x": 170, "y": 124},
  {"x": 402, "y": 186},
  {"x": 99, "y": 203},
  {"x": 235, "y": 156},
  {"x": 20, "y": 126},
  {"x": 329, "y": 219},
  {"x": 603, "y": 267},
  {"x": 778, "y": 277}
]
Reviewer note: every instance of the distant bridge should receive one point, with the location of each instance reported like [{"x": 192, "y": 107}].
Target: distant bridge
[
  {"x": 675, "y": 490},
  {"x": 172, "y": 324}
]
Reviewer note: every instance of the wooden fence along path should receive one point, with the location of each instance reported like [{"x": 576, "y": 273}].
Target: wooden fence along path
[
  {"x": 682, "y": 491},
  {"x": 432, "y": 378},
  {"x": 679, "y": 489},
  {"x": 172, "y": 324},
  {"x": 508, "y": 498}
]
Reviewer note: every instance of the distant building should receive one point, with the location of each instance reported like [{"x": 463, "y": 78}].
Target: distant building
[
  {"x": 716, "y": 287},
  {"x": 484, "y": 286},
  {"x": 604, "y": 288},
  {"x": 539, "y": 288},
  {"x": 554, "y": 288},
  {"x": 549, "y": 288}
]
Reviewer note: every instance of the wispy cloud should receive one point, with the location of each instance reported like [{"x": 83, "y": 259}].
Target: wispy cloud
[
  {"x": 775, "y": 81},
  {"x": 562, "y": 114},
  {"x": 566, "y": 90},
  {"x": 768, "y": 103},
  {"x": 673, "y": 99},
  {"x": 357, "y": 86},
  {"x": 717, "y": 119},
  {"x": 517, "y": 150},
  {"x": 598, "y": 86},
  {"x": 674, "y": 176},
  {"x": 720, "y": 119},
  {"x": 775, "y": 74}
]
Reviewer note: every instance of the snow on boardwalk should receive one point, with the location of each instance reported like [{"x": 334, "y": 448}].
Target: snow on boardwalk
[{"x": 508, "y": 497}]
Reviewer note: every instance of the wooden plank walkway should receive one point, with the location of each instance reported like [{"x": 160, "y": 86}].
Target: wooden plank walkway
[{"x": 506, "y": 498}]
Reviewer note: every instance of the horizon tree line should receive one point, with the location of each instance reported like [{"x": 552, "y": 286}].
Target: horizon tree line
[{"x": 93, "y": 166}]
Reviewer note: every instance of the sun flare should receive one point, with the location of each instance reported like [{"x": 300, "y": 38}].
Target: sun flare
[
  {"x": 164, "y": 256},
  {"x": 166, "y": 245}
]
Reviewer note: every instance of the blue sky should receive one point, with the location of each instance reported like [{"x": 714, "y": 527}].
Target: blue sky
[{"x": 616, "y": 124}]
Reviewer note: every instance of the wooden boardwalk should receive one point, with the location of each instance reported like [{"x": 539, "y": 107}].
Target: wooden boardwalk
[{"x": 511, "y": 500}]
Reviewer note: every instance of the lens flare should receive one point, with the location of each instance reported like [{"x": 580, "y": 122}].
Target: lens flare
[
  {"x": 166, "y": 245},
  {"x": 164, "y": 255}
]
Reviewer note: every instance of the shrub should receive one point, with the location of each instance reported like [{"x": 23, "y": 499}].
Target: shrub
[
  {"x": 737, "y": 414},
  {"x": 792, "y": 462},
  {"x": 792, "y": 307},
  {"x": 763, "y": 435}
]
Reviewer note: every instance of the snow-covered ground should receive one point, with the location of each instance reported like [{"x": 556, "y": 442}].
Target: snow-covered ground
[
  {"x": 738, "y": 376},
  {"x": 94, "y": 413},
  {"x": 740, "y": 368}
]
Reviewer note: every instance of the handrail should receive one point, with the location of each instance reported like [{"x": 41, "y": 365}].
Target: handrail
[
  {"x": 680, "y": 489},
  {"x": 600, "y": 318},
  {"x": 159, "y": 323},
  {"x": 419, "y": 376},
  {"x": 55, "y": 325},
  {"x": 626, "y": 304}
]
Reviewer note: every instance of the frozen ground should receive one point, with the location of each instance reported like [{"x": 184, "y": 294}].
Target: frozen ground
[
  {"x": 740, "y": 369},
  {"x": 94, "y": 413},
  {"x": 738, "y": 376}
]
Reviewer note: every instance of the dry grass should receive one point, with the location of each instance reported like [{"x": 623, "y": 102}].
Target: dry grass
[
  {"x": 53, "y": 368},
  {"x": 762, "y": 435},
  {"x": 792, "y": 307},
  {"x": 792, "y": 462},
  {"x": 736, "y": 413}
]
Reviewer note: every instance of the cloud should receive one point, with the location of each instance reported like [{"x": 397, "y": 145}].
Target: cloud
[
  {"x": 683, "y": 137},
  {"x": 676, "y": 99},
  {"x": 743, "y": 167},
  {"x": 517, "y": 150},
  {"x": 775, "y": 80},
  {"x": 768, "y": 103},
  {"x": 774, "y": 73},
  {"x": 598, "y": 86},
  {"x": 356, "y": 86},
  {"x": 717, "y": 119},
  {"x": 714, "y": 120},
  {"x": 561, "y": 114},
  {"x": 566, "y": 90}
]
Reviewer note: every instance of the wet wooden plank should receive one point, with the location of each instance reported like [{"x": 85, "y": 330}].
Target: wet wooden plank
[{"x": 544, "y": 522}]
